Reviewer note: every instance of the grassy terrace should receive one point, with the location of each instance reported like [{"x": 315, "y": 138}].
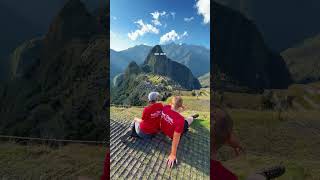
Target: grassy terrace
[
  {"x": 293, "y": 139},
  {"x": 74, "y": 161}
]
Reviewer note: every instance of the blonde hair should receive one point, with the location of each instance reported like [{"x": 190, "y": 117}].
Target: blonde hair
[
  {"x": 222, "y": 127},
  {"x": 177, "y": 102}
]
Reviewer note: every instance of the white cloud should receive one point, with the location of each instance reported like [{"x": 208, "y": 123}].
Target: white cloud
[
  {"x": 144, "y": 28},
  {"x": 114, "y": 17},
  {"x": 188, "y": 19},
  {"x": 173, "y": 14},
  {"x": 172, "y": 36},
  {"x": 203, "y": 7},
  {"x": 119, "y": 42},
  {"x": 156, "y": 15}
]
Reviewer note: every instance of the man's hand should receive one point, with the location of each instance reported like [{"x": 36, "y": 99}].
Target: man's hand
[{"x": 171, "y": 160}]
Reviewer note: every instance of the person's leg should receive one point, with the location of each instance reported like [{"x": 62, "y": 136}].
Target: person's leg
[
  {"x": 130, "y": 132},
  {"x": 140, "y": 133},
  {"x": 189, "y": 120}
]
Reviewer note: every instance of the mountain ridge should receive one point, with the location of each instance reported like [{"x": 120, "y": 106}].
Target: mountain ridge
[{"x": 195, "y": 57}]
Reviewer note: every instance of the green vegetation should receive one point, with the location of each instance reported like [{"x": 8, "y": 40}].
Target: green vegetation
[
  {"x": 269, "y": 140},
  {"x": 43, "y": 162}
]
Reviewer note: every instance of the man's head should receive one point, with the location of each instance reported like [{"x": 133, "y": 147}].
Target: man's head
[
  {"x": 222, "y": 128},
  {"x": 177, "y": 102},
  {"x": 153, "y": 97}
]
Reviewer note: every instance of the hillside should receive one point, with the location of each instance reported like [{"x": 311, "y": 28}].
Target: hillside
[
  {"x": 157, "y": 73},
  {"x": 241, "y": 54},
  {"x": 58, "y": 82},
  {"x": 304, "y": 60},
  {"x": 196, "y": 58}
]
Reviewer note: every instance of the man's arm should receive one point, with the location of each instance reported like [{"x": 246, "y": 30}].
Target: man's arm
[
  {"x": 233, "y": 142},
  {"x": 137, "y": 119},
  {"x": 144, "y": 113},
  {"x": 173, "y": 155}
]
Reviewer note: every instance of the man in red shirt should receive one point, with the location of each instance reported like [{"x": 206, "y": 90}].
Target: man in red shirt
[
  {"x": 173, "y": 124},
  {"x": 149, "y": 124}
]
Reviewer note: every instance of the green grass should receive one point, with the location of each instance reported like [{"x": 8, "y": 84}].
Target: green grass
[
  {"x": 241, "y": 100},
  {"x": 44, "y": 162},
  {"x": 293, "y": 140}
]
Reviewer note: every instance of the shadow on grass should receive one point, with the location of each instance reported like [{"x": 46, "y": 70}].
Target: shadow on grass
[{"x": 201, "y": 123}]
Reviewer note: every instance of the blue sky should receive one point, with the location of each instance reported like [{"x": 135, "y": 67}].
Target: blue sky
[{"x": 151, "y": 22}]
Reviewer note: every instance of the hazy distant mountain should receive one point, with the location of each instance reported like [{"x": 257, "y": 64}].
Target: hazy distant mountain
[
  {"x": 118, "y": 64},
  {"x": 304, "y": 60},
  {"x": 197, "y": 58},
  {"x": 137, "y": 53},
  {"x": 241, "y": 54},
  {"x": 283, "y": 23}
]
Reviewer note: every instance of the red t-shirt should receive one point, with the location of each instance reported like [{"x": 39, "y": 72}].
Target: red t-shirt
[
  {"x": 218, "y": 172},
  {"x": 106, "y": 167},
  {"x": 151, "y": 115},
  {"x": 171, "y": 121}
]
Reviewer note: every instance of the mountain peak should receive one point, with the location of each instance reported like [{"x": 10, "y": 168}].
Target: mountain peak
[
  {"x": 73, "y": 6},
  {"x": 158, "y": 63},
  {"x": 132, "y": 68},
  {"x": 156, "y": 49},
  {"x": 73, "y": 22}
]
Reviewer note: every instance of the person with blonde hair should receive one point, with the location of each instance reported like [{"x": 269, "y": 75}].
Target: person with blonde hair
[{"x": 173, "y": 125}]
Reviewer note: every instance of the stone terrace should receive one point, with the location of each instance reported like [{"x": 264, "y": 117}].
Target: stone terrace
[{"x": 137, "y": 159}]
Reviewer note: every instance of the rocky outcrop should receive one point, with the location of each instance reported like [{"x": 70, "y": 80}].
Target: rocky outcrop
[
  {"x": 73, "y": 21},
  {"x": 158, "y": 63},
  {"x": 132, "y": 69}
]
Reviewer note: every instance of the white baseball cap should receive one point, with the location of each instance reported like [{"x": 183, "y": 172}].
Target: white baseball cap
[{"x": 153, "y": 96}]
